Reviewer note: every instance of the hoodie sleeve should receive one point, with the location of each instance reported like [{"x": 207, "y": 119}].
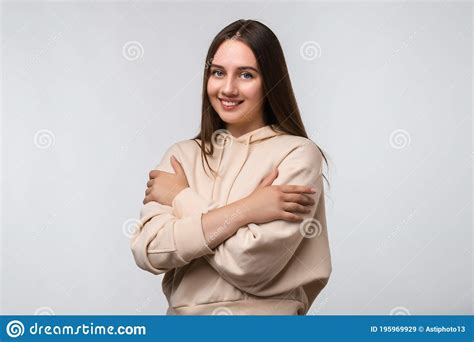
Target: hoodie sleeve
[
  {"x": 162, "y": 241},
  {"x": 260, "y": 258}
]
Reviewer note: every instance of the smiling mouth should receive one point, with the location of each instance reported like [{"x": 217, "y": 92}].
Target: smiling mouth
[{"x": 230, "y": 104}]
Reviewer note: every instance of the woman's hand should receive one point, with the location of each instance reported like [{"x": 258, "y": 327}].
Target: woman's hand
[
  {"x": 163, "y": 186},
  {"x": 278, "y": 202}
]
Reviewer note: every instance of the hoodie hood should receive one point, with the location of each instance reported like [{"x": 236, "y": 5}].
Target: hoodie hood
[
  {"x": 227, "y": 143},
  {"x": 258, "y": 134}
]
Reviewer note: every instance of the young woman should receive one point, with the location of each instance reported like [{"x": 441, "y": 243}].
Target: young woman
[{"x": 235, "y": 217}]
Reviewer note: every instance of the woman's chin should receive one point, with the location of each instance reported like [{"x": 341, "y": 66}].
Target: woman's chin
[{"x": 232, "y": 118}]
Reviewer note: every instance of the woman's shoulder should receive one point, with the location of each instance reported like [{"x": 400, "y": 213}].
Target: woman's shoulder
[
  {"x": 186, "y": 146},
  {"x": 183, "y": 149},
  {"x": 296, "y": 143},
  {"x": 293, "y": 139},
  {"x": 299, "y": 150}
]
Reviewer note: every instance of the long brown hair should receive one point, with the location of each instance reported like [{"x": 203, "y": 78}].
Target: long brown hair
[{"x": 280, "y": 108}]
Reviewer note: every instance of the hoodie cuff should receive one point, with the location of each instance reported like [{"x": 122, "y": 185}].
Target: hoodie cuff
[
  {"x": 188, "y": 203},
  {"x": 189, "y": 238}
]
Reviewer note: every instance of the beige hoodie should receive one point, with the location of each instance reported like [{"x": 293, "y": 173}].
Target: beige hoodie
[{"x": 275, "y": 268}]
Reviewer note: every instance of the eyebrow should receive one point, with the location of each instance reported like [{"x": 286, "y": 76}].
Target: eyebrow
[{"x": 240, "y": 68}]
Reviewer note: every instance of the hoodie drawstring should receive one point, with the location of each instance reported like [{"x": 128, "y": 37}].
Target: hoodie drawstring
[
  {"x": 241, "y": 166},
  {"x": 260, "y": 134},
  {"x": 219, "y": 164}
]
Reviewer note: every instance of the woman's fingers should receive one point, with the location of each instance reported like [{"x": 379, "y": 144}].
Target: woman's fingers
[
  {"x": 272, "y": 175},
  {"x": 298, "y": 198},
  {"x": 153, "y": 174},
  {"x": 268, "y": 179},
  {"x": 287, "y": 216},
  {"x": 297, "y": 188},
  {"x": 295, "y": 208},
  {"x": 178, "y": 169}
]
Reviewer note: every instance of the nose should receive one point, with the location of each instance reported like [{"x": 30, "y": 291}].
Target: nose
[{"x": 229, "y": 88}]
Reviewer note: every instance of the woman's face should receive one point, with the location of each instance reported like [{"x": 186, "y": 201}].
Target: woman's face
[{"x": 235, "y": 85}]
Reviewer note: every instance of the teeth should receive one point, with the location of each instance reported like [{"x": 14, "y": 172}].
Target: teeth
[{"x": 226, "y": 103}]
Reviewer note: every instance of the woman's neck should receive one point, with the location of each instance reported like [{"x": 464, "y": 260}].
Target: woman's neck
[{"x": 240, "y": 129}]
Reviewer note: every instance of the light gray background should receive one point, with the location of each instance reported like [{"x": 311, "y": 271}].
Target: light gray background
[{"x": 388, "y": 97}]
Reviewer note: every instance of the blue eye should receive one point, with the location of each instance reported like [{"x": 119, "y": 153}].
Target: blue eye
[
  {"x": 247, "y": 74},
  {"x": 219, "y": 73},
  {"x": 216, "y": 71}
]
